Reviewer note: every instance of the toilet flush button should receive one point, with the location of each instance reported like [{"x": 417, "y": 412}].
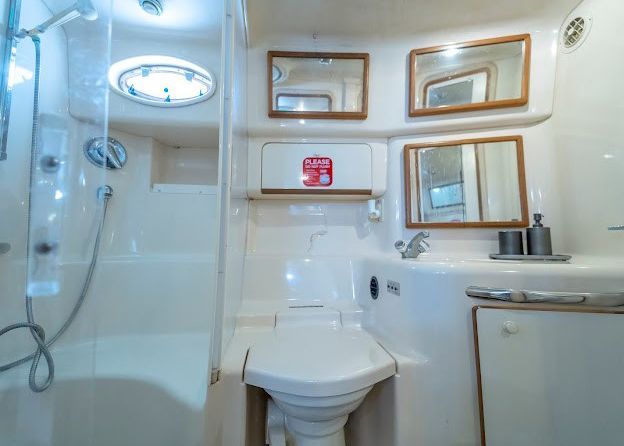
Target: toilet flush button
[{"x": 510, "y": 328}]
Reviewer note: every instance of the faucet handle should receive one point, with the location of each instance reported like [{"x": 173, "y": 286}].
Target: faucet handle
[
  {"x": 616, "y": 228},
  {"x": 401, "y": 246},
  {"x": 423, "y": 246}
]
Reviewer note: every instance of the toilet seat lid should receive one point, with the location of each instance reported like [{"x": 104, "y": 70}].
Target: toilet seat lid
[{"x": 317, "y": 362}]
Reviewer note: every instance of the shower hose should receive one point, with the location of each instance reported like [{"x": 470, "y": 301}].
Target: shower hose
[{"x": 36, "y": 330}]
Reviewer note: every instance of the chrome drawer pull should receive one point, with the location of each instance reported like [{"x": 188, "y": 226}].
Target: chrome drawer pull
[{"x": 553, "y": 297}]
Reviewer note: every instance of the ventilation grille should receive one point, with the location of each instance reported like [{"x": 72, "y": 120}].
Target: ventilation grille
[{"x": 574, "y": 32}]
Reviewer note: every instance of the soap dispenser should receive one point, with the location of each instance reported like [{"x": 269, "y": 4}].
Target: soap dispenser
[{"x": 538, "y": 238}]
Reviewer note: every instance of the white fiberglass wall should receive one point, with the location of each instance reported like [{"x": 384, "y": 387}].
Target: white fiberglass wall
[{"x": 589, "y": 136}]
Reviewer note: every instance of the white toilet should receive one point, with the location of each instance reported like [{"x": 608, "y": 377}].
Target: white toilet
[{"x": 317, "y": 372}]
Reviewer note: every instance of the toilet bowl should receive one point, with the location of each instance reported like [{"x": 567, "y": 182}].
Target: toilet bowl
[{"x": 317, "y": 372}]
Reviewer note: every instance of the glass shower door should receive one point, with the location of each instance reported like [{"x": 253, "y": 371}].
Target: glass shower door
[{"x": 52, "y": 206}]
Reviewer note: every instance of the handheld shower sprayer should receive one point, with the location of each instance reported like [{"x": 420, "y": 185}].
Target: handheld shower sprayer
[{"x": 82, "y": 8}]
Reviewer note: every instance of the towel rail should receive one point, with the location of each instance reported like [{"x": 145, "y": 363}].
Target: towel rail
[{"x": 553, "y": 297}]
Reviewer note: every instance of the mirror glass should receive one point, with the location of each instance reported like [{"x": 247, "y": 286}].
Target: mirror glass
[
  {"x": 477, "y": 182},
  {"x": 473, "y": 75},
  {"x": 318, "y": 85}
]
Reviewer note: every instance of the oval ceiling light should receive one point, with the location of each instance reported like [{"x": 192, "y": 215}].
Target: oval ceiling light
[
  {"x": 162, "y": 81},
  {"x": 153, "y": 7}
]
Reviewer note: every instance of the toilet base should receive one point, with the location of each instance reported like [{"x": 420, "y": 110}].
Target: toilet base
[
  {"x": 275, "y": 434},
  {"x": 314, "y": 421},
  {"x": 316, "y": 433},
  {"x": 336, "y": 439}
]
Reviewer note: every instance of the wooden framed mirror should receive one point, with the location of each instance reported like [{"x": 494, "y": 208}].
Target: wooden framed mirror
[
  {"x": 468, "y": 76},
  {"x": 466, "y": 183},
  {"x": 317, "y": 85}
]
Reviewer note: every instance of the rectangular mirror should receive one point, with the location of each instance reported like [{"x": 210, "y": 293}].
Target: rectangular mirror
[
  {"x": 477, "y": 75},
  {"x": 466, "y": 183},
  {"x": 318, "y": 85}
]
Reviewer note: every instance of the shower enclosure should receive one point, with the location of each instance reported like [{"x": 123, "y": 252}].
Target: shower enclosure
[
  {"x": 50, "y": 212},
  {"x": 106, "y": 283}
]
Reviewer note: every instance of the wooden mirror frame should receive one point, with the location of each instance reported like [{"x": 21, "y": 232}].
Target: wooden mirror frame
[
  {"x": 365, "y": 57},
  {"x": 503, "y": 103},
  {"x": 524, "y": 222}
]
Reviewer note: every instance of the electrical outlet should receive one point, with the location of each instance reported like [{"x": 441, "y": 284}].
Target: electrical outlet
[{"x": 394, "y": 287}]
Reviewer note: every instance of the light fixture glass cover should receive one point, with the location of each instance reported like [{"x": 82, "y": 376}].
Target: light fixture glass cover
[{"x": 162, "y": 81}]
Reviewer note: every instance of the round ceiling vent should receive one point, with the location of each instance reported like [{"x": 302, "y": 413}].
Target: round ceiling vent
[
  {"x": 152, "y": 7},
  {"x": 575, "y": 32}
]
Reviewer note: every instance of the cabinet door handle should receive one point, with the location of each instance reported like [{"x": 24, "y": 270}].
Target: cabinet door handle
[{"x": 553, "y": 297}]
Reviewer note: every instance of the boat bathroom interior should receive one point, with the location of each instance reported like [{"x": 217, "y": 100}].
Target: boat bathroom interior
[{"x": 311, "y": 223}]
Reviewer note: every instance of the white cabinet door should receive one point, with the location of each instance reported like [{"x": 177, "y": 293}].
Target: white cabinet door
[
  {"x": 283, "y": 166},
  {"x": 551, "y": 378}
]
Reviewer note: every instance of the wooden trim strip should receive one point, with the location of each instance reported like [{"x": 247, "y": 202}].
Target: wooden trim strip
[
  {"x": 317, "y": 191},
  {"x": 479, "y": 188},
  {"x": 413, "y": 111},
  {"x": 522, "y": 189},
  {"x": 475, "y": 334},
  {"x": 318, "y": 55},
  {"x": 318, "y": 115}
]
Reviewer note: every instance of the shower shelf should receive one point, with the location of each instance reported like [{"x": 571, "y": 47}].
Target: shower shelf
[{"x": 197, "y": 189}]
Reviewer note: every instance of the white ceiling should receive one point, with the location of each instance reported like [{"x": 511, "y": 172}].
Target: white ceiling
[
  {"x": 269, "y": 19},
  {"x": 199, "y": 19}
]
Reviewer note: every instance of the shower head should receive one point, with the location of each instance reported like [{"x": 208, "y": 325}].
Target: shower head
[
  {"x": 87, "y": 10},
  {"x": 82, "y": 8}
]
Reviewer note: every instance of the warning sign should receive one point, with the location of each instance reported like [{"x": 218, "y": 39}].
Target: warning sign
[{"x": 317, "y": 171}]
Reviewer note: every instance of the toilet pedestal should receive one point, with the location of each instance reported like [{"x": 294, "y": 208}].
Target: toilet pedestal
[
  {"x": 317, "y": 372},
  {"x": 321, "y": 433},
  {"x": 317, "y": 421}
]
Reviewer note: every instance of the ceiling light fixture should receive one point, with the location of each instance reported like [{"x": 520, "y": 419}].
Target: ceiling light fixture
[{"x": 153, "y": 7}]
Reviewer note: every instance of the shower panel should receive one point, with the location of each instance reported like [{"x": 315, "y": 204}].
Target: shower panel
[
  {"x": 90, "y": 304},
  {"x": 54, "y": 204}
]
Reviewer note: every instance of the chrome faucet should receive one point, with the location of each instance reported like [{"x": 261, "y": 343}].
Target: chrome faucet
[
  {"x": 616, "y": 228},
  {"x": 415, "y": 247}
]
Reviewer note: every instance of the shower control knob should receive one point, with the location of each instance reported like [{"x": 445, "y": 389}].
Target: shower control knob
[
  {"x": 50, "y": 164},
  {"x": 45, "y": 248},
  {"x": 106, "y": 152},
  {"x": 510, "y": 328}
]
